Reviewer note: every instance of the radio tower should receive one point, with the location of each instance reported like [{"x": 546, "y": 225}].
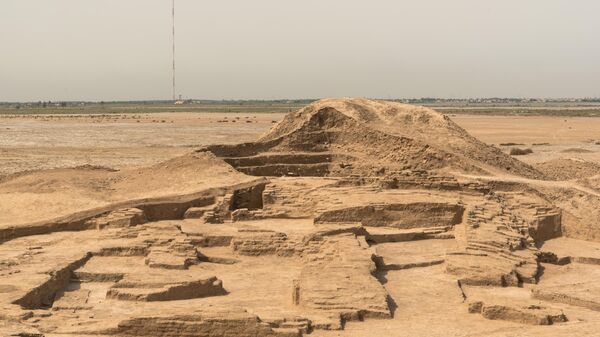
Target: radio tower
[{"x": 173, "y": 19}]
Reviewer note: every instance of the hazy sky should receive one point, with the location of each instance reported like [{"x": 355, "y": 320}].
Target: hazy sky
[{"x": 266, "y": 49}]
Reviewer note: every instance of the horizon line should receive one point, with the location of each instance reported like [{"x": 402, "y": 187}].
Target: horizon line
[{"x": 551, "y": 99}]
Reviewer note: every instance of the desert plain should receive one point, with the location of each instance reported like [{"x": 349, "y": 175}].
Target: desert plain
[
  {"x": 45, "y": 141},
  {"x": 346, "y": 217}
]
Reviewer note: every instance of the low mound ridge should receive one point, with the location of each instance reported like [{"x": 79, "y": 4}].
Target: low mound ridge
[
  {"x": 384, "y": 115},
  {"x": 423, "y": 126},
  {"x": 362, "y": 136},
  {"x": 569, "y": 168},
  {"x": 65, "y": 191}
]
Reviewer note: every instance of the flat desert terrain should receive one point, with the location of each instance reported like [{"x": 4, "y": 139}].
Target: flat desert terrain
[{"x": 32, "y": 142}]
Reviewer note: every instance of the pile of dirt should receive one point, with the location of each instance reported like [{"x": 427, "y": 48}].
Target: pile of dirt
[
  {"x": 576, "y": 150},
  {"x": 566, "y": 169},
  {"x": 515, "y": 151},
  {"x": 376, "y": 135},
  {"x": 65, "y": 191}
]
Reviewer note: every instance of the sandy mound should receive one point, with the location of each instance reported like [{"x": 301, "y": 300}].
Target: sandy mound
[
  {"x": 54, "y": 193},
  {"x": 516, "y": 151},
  {"x": 397, "y": 118},
  {"x": 379, "y": 134},
  {"x": 566, "y": 169},
  {"x": 576, "y": 150}
]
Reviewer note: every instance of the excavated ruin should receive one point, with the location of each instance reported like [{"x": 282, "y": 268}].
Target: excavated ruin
[{"x": 351, "y": 217}]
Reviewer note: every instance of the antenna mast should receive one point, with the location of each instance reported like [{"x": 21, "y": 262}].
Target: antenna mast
[{"x": 173, "y": 19}]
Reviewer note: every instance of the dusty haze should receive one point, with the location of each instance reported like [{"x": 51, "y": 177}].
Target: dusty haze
[{"x": 115, "y": 50}]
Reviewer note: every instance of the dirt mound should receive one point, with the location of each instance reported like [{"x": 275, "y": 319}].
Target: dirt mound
[
  {"x": 65, "y": 191},
  {"x": 515, "y": 151},
  {"x": 397, "y": 118},
  {"x": 576, "y": 150},
  {"x": 376, "y": 135},
  {"x": 566, "y": 169}
]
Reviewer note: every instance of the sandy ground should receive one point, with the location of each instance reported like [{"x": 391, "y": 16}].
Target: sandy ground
[
  {"x": 191, "y": 246},
  {"x": 118, "y": 141},
  {"x": 549, "y": 137}
]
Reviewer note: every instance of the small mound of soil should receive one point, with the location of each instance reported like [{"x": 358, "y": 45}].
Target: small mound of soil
[
  {"x": 515, "y": 151},
  {"x": 576, "y": 150},
  {"x": 567, "y": 169},
  {"x": 89, "y": 167}
]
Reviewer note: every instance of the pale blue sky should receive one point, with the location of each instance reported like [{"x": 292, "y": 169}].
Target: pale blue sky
[{"x": 265, "y": 49}]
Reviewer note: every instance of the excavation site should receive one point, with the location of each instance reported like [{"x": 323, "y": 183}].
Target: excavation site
[{"x": 345, "y": 217}]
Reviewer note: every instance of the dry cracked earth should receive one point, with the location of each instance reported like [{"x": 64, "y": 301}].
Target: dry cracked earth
[{"x": 350, "y": 217}]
